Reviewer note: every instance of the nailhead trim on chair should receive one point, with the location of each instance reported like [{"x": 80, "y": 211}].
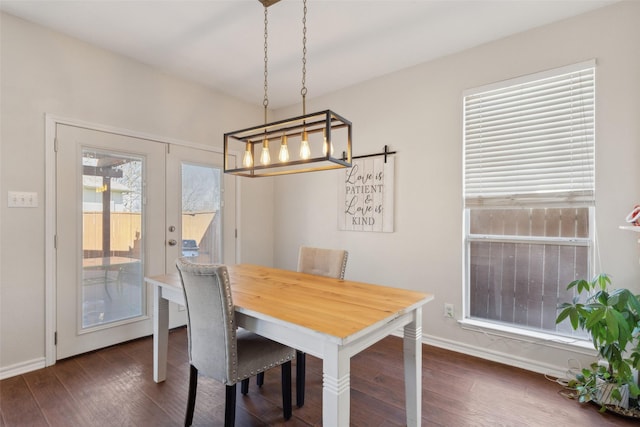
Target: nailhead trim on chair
[
  {"x": 238, "y": 379},
  {"x": 230, "y": 377},
  {"x": 344, "y": 264}
]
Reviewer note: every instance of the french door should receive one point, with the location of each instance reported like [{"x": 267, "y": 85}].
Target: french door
[
  {"x": 128, "y": 207},
  {"x": 206, "y": 200}
]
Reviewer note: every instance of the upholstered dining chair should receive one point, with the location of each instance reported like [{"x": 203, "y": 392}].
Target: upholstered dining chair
[
  {"x": 217, "y": 348},
  {"x": 321, "y": 262}
]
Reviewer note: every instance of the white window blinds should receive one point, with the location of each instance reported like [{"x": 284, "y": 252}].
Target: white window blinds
[{"x": 531, "y": 140}]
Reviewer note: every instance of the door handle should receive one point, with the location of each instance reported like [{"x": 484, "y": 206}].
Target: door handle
[{"x": 172, "y": 242}]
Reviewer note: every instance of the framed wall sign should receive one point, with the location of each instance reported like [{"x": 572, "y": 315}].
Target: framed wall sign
[{"x": 366, "y": 195}]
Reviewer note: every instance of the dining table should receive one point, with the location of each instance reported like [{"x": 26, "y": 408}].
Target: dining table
[{"x": 332, "y": 319}]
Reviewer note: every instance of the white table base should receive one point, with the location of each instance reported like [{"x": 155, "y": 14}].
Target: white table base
[{"x": 336, "y": 354}]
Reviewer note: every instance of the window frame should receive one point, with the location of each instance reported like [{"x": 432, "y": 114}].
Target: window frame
[
  {"x": 513, "y": 330},
  {"x": 587, "y": 242}
]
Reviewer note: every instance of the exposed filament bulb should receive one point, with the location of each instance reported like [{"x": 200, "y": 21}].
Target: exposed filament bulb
[
  {"x": 283, "y": 156},
  {"x": 305, "y": 151},
  {"x": 265, "y": 157},
  {"x": 247, "y": 159},
  {"x": 325, "y": 145}
]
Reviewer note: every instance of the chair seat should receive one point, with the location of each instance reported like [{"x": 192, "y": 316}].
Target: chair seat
[{"x": 257, "y": 354}]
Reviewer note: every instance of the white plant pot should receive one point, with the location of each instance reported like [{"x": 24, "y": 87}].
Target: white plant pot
[{"x": 604, "y": 397}]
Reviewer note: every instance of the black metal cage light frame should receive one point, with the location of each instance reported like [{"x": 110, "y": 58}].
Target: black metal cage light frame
[
  {"x": 327, "y": 134},
  {"x": 320, "y": 141}
]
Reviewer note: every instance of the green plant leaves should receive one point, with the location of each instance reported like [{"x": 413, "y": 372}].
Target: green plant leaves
[
  {"x": 613, "y": 327},
  {"x": 582, "y": 285},
  {"x": 571, "y": 311},
  {"x": 602, "y": 280},
  {"x": 612, "y": 319}
]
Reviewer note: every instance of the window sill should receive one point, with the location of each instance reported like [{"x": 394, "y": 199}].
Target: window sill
[{"x": 535, "y": 337}]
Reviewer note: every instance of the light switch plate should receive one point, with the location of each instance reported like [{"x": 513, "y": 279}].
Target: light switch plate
[{"x": 22, "y": 199}]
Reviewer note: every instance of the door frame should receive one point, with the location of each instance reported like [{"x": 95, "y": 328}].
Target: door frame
[{"x": 51, "y": 122}]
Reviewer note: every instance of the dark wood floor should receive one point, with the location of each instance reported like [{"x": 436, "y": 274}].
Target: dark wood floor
[{"x": 114, "y": 387}]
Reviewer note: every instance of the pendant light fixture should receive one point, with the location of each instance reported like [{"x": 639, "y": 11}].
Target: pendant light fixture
[{"x": 306, "y": 143}]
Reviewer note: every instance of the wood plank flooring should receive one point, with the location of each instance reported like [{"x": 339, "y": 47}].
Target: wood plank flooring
[{"x": 114, "y": 387}]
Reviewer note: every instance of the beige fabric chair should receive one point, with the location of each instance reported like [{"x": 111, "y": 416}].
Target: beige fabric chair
[
  {"x": 217, "y": 348},
  {"x": 322, "y": 262}
]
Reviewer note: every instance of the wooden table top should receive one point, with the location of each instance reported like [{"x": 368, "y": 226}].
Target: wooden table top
[{"x": 336, "y": 307}]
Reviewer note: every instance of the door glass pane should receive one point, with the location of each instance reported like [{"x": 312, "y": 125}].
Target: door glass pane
[
  {"x": 201, "y": 215},
  {"x": 112, "y": 283}
]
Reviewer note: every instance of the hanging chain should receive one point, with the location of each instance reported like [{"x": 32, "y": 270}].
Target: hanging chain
[
  {"x": 303, "y": 91},
  {"x": 265, "y": 102}
]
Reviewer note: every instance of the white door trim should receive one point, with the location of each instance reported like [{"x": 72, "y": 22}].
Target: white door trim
[{"x": 51, "y": 122}]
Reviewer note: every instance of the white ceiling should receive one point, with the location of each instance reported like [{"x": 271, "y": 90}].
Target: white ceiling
[{"x": 220, "y": 43}]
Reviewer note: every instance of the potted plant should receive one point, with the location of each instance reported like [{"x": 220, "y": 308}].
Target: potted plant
[{"x": 612, "y": 319}]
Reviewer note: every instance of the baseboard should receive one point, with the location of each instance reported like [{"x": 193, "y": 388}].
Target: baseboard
[
  {"x": 495, "y": 356},
  {"x": 22, "y": 368},
  {"x": 482, "y": 353}
]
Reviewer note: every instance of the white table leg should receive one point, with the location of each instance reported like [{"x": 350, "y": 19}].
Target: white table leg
[
  {"x": 413, "y": 369},
  {"x": 336, "y": 387},
  {"x": 160, "y": 335}
]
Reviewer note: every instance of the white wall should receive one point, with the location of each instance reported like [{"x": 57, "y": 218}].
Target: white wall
[
  {"x": 46, "y": 72},
  {"x": 418, "y": 112}
]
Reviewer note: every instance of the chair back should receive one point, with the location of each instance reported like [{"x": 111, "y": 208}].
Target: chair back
[
  {"x": 211, "y": 321},
  {"x": 322, "y": 262}
]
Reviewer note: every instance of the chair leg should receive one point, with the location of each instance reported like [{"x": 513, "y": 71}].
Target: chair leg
[
  {"x": 230, "y": 406},
  {"x": 286, "y": 389},
  {"x": 260, "y": 379},
  {"x": 191, "y": 400},
  {"x": 300, "y": 377},
  {"x": 244, "y": 386}
]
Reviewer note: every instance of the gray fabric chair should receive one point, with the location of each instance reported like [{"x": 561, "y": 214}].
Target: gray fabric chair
[
  {"x": 217, "y": 348},
  {"x": 321, "y": 262}
]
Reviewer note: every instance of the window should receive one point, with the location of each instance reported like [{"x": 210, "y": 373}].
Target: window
[{"x": 528, "y": 195}]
